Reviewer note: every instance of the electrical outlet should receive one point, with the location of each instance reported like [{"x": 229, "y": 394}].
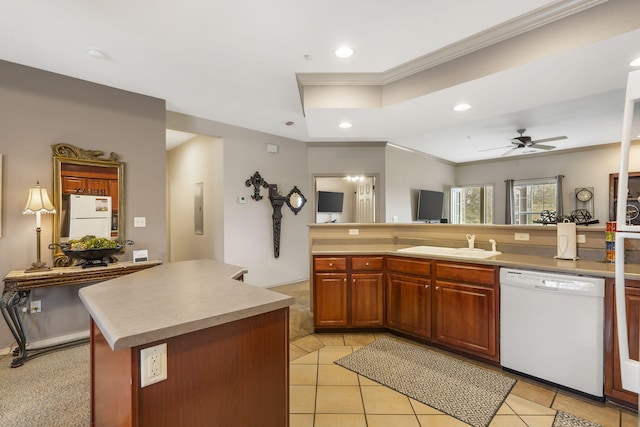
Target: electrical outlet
[
  {"x": 354, "y": 231},
  {"x": 581, "y": 238},
  {"x": 35, "y": 307},
  {"x": 140, "y": 221},
  {"x": 521, "y": 236},
  {"x": 153, "y": 364}
]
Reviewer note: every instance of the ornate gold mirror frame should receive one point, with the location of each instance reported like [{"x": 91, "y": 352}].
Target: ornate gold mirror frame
[{"x": 85, "y": 172}]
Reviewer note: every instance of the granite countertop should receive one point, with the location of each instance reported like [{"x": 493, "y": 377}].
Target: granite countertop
[
  {"x": 174, "y": 299},
  {"x": 532, "y": 262}
]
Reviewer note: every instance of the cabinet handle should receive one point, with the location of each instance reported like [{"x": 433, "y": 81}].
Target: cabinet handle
[
  {"x": 353, "y": 281},
  {"x": 330, "y": 264},
  {"x": 437, "y": 288},
  {"x": 366, "y": 264}
]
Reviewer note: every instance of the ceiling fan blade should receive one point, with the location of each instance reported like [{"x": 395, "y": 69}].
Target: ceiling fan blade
[
  {"x": 495, "y": 148},
  {"x": 506, "y": 153},
  {"x": 555, "y": 138},
  {"x": 543, "y": 147}
]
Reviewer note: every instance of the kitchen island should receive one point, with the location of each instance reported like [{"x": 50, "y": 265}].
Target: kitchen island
[{"x": 226, "y": 342}]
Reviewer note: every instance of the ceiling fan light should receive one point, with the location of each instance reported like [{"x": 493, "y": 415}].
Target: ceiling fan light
[
  {"x": 461, "y": 107},
  {"x": 345, "y": 125}
]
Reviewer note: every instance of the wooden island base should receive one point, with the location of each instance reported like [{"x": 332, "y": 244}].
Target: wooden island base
[{"x": 233, "y": 374}]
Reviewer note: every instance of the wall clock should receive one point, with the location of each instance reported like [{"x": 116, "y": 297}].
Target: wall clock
[{"x": 584, "y": 198}]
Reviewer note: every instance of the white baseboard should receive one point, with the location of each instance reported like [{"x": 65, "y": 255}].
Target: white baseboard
[{"x": 52, "y": 341}]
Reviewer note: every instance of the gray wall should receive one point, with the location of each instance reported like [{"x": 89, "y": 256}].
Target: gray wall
[
  {"x": 38, "y": 109},
  {"x": 587, "y": 168},
  {"x": 248, "y": 231}
]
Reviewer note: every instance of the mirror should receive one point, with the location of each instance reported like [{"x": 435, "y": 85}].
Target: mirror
[
  {"x": 345, "y": 199},
  {"x": 295, "y": 200},
  {"x": 88, "y": 193}
]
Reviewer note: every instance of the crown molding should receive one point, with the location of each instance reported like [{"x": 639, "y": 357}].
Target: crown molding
[{"x": 515, "y": 27}]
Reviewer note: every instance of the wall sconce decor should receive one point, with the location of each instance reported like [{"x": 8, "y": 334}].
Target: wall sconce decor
[
  {"x": 257, "y": 182},
  {"x": 294, "y": 199},
  {"x": 38, "y": 203}
]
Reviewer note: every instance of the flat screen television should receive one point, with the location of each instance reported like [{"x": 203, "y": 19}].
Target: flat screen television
[
  {"x": 430, "y": 205},
  {"x": 330, "y": 201}
]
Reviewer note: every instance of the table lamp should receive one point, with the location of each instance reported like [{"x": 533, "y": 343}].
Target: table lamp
[{"x": 38, "y": 203}]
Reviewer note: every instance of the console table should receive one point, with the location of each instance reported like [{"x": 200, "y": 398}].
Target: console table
[{"x": 18, "y": 286}]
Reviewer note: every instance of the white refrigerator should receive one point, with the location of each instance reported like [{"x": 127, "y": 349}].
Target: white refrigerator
[
  {"x": 89, "y": 215},
  {"x": 630, "y": 369}
]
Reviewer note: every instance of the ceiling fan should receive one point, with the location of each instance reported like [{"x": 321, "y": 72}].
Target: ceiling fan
[{"x": 524, "y": 141}]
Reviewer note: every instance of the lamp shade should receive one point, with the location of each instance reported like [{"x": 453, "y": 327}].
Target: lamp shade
[{"x": 38, "y": 201}]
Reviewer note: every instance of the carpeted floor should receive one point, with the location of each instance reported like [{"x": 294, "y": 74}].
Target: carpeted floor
[{"x": 37, "y": 393}]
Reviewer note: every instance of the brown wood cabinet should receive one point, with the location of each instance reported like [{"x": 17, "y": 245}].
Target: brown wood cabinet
[
  {"x": 452, "y": 304},
  {"x": 409, "y": 296},
  {"x": 348, "y": 292},
  {"x": 612, "y": 379},
  {"x": 465, "y": 308}
]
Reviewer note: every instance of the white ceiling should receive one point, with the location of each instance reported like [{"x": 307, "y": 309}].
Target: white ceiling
[{"x": 240, "y": 62}]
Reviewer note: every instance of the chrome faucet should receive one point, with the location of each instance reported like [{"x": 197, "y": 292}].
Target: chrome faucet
[
  {"x": 493, "y": 245},
  {"x": 471, "y": 238}
]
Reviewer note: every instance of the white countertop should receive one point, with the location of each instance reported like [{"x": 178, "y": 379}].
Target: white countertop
[{"x": 174, "y": 299}]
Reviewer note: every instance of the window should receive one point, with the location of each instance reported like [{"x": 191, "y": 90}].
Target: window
[
  {"x": 472, "y": 204},
  {"x": 531, "y": 197}
]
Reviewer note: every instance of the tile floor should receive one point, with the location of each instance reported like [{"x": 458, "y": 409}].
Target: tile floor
[{"x": 324, "y": 394}]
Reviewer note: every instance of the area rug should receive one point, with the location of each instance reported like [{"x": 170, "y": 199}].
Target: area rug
[
  {"x": 564, "y": 419},
  {"x": 462, "y": 390}
]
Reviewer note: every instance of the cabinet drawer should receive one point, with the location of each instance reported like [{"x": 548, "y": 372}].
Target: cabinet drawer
[
  {"x": 330, "y": 264},
  {"x": 411, "y": 266},
  {"x": 466, "y": 273},
  {"x": 366, "y": 263}
]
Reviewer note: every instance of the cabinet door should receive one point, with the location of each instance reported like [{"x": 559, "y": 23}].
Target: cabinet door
[
  {"x": 613, "y": 380},
  {"x": 466, "y": 317},
  {"x": 73, "y": 185},
  {"x": 330, "y": 291},
  {"x": 408, "y": 304},
  {"x": 367, "y": 303}
]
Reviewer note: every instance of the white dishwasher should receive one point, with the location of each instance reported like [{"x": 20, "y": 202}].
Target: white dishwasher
[{"x": 552, "y": 328}]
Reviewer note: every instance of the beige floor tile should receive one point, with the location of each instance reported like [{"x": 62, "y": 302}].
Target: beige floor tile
[
  {"x": 538, "y": 420},
  {"x": 307, "y": 359},
  {"x": 296, "y": 352},
  {"x": 606, "y": 416},
  {"x": 525, "y": 407},
  {"x": 366, "y": 381},
  {"x": 301, "y": 420},
  {"x": 359, "y": 339},
  {"x": 331, "y": 339},
  {"x": 343, "y": 399},
  {"x": 336, "y": 375},
  {"x": 340, "y": 420},
  {"x": 302, "y": 399},
  {"x": 392, "y": 420},
  {"x": 507, "y": 421},
  {"x": 440, "y": 421},
  {"x": 309, "y": 343},
  {"x": 303, "y": 374},
  {"x": 422, "y": 409},
  {"x": 536, "y": 393},
  {"x": 628, "y": 419},
  {"x": 505, "y": 410},
  {"x": 383, "y": 400},
  {"x": 330, "y": 354}
]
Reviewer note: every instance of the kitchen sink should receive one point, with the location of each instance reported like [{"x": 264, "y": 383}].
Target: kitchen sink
[{"x": 476, "y": 253}]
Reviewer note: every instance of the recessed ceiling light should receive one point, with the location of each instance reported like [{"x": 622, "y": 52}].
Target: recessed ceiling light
[
  {"x": 461, "y": 107},
  {"x": 95, "y": 53},
  {"x": 635, "y": 62},
  {"x": 344, "y": 52},
  {"x": 345, "y": 125}
]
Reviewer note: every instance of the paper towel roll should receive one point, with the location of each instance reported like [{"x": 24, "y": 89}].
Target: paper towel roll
[{"x": 566, "y": 241}]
